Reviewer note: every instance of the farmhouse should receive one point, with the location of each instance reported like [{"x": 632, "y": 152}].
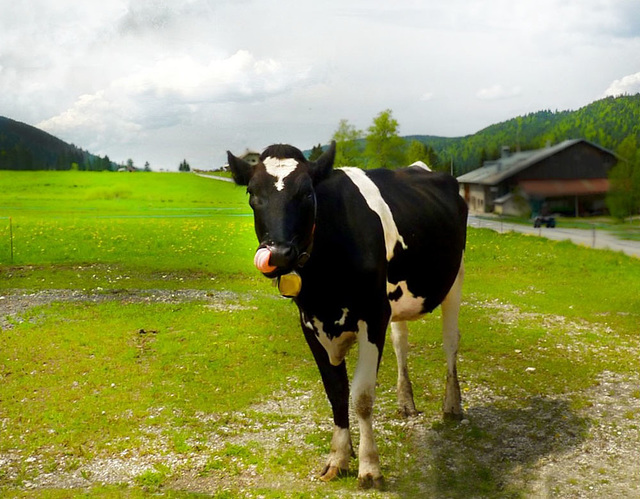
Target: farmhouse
[
  {"x": 250, "y": 156},
  {"x": 569, "y": 178}
]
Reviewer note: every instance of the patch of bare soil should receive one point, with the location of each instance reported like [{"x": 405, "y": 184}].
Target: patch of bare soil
[
  {"x": 14, "y": 303},
  {"x": 605, "y": 463}
]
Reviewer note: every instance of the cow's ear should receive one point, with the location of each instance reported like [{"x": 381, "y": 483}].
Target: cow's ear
[
  {"x": 324, "y": 164},
  {"x": 240, "y": 169}
]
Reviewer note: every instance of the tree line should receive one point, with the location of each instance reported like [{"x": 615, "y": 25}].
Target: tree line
[
  {"x": 623, "y": 198},
  {"x": 606, "y": 122},
  {"x": 380, "y": 147},
  {"x": 612, "y": 123}
]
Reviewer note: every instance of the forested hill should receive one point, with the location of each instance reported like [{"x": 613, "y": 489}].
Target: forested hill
[
  {"x": 23, "y": 147},
  {"x": 606, "y": 122}
]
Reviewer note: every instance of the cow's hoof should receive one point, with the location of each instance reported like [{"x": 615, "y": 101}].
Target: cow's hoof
[
  {"x": 368, "y": 481},
  {"x": 453, "y": 416},
  {"x": 331, "y": 472},
  {"x": 408, "y": 411}
]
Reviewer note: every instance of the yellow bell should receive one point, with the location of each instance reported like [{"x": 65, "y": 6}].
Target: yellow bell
[{"x": 290, "y": 284}]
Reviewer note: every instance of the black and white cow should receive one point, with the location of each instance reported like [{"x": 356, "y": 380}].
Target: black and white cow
[{"x": 370, "y": 248}]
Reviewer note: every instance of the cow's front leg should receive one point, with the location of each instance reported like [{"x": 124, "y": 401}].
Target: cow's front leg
[
  {"x": 363, "y": 394},
  {"x": 336, "y": 385}
]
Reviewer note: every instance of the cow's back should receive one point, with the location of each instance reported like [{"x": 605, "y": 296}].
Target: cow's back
[
  {"x": 431, "y": 217},
  {"x": 351, "y": 261}
]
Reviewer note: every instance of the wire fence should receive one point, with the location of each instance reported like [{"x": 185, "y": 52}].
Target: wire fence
[
  {"x": 19, "y": 239},
  {"x": 599, "y": 235},
  {"x": 10, "y": 224}
]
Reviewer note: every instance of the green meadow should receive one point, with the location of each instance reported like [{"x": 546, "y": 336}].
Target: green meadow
[{"x": 142, "y": 355}]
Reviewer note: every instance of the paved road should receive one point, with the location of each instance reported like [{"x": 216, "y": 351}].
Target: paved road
[
  {"x": 215, "y": 177},
  {"x": 599, "y": 239}
]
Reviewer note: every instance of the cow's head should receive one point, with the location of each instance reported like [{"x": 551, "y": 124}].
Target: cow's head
[{"x": 282, "y": 196}]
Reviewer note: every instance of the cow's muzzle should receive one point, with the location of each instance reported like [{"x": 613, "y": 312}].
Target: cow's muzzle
[{"x": 274, "y": 260}]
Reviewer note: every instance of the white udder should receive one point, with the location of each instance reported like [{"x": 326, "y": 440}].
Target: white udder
[{"x": 408, "y": 306}]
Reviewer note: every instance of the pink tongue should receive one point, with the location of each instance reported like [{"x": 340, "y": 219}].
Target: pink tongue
[{"x": 261, "y": 261}]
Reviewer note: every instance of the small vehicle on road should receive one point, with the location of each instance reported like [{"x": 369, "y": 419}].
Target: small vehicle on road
[{"x": 548, "y": 220}]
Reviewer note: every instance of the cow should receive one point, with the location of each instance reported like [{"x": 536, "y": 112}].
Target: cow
[{"x": 356, "y": 250}]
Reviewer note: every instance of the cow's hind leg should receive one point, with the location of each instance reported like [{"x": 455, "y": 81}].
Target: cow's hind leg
[
  {"x": 336, "y": 385},
  {"x": 399, "y": 338},
  {"x": 451, "y": 335}
]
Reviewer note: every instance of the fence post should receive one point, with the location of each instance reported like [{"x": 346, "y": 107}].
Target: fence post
[
  {"x": 11, "y": 237},
  {"x": 593, "y": 233}
]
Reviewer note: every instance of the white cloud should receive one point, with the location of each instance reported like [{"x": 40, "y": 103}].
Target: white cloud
[
  {"x": 168, "y": 92},
  {"x": 630, "y": 85},
  {"x": 95, "y": 120},
  {"x": 496, "y": 92},
  {"x": 427, "y": 96}
]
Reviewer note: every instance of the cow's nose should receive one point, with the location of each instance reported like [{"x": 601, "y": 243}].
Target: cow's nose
[{"x": 282, "y": 256}]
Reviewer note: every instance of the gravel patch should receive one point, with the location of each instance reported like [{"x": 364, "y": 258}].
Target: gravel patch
[{"x": 14, "y": 303}]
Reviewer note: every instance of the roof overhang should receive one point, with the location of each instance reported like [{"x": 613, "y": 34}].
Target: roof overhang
[{"x": 573, "y": 187}]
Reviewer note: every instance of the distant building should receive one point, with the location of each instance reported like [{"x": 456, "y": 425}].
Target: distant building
[
  {"x": 251, "y": 157},
  {"x": 569, "y": 178}
]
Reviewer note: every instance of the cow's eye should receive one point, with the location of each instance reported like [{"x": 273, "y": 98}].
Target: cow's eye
[
  {"x": 304, "y": 196},
  {"x": 255, "y": 201}
]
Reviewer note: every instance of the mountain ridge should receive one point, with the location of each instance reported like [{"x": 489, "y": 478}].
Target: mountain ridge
[{"x": 25, "y": 147}]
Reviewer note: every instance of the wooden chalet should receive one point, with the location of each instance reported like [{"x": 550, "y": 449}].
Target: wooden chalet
[{"x": 570, "y": 178}]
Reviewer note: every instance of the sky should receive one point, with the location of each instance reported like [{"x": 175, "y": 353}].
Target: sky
[{"x": 160, "y": 81}]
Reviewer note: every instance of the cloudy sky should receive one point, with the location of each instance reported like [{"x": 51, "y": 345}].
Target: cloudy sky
[{"x": 161, "y": 81}]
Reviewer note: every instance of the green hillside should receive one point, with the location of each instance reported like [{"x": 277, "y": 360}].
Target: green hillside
[{"x": 24, "y": 147}]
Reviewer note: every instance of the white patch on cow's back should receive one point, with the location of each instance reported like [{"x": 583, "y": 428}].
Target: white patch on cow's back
[
  {"x": 372, "y": 196},
  {"x": 408, "y": 306},
  {"x": 280, "y": 168},
  {"x": 422, "y": 165}
]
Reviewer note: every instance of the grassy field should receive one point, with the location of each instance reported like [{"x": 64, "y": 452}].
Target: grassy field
[{"x": 141, "y": 354}]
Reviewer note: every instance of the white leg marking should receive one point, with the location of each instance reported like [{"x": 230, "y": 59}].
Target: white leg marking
[
  {"x": 372, "y": 196},
  {"x": 399, "y": 338},
  {"x": 363, "y": 396},
  {"x": 341, "y": 452},
  {"x": 337, "y": 347},
  {"x": 451, "y": 336}
]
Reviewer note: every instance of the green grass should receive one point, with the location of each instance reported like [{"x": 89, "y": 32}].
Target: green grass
[
  {"x": 165, "y": 223},
  {"x": 179, "y": 383}
]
